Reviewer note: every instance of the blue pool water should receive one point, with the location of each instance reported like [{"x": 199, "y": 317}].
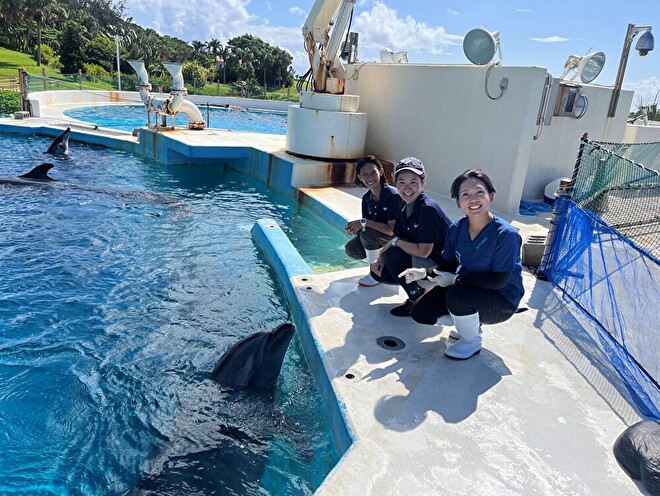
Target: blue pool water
[
  {"x": 117, "y": 297},
  {"x": 129, "y": 117}
]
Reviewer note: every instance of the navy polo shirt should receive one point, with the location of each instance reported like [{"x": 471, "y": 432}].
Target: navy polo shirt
[
  {"x": 427, "y": 224},
  {"x": 383, "y": 210},
  {"x": 495, "y": 249}
]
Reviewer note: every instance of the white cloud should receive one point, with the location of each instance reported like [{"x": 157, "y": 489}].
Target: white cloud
[
  {"x": 550, "y": 39},
  {"x": 297, "y": 11},
  {"x": 453, "y": 12},
  {"x": 523, "y": 11},
  {"x": 381, "y": 26},
  {"x": 646, "y": 91}
]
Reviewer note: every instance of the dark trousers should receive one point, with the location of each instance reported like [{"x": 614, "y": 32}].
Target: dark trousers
[
  {"x": 369, "y": 239},
  {"x": 462, "y": 300},
  {"x": 396, "y": 261}
]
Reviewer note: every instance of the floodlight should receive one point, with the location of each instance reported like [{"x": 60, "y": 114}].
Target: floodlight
[
  {"x": 645, "y": 44},
  {"x": 387, "y": 56},
  {"x": 587, "y": 67},
  {"x": 480, "y": 45}
]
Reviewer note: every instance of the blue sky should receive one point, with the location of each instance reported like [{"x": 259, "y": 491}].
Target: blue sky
[{"x": 533, "y": 33}]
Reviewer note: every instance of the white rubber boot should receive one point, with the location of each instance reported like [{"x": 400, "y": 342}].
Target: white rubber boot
[
  {"x": 469, "y": 328},
  {"x": 367, "y": 280}
]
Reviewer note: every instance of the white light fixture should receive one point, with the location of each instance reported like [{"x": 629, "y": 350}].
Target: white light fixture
[
  {"x": 587, "y": 67},
  {"x": 644, "y": 46},
  {"x": 480, "y": 45},
  {"x": 387, "y": 56}
]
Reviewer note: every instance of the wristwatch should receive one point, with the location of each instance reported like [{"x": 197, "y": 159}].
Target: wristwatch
[
  {"x": 363, "y": 223},
  {"x": 394, "y": 240}
]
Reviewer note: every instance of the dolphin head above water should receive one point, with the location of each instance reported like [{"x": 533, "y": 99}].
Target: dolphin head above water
[
  {"x": 255, "y": 360},
  {"x": 60, "y": 145}
]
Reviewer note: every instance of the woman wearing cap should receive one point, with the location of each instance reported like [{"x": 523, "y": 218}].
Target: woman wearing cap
[
  {"x": 379, "y": 206},
  {"x": 488, "y": 285},
  {"x": 419, "y": 234}
]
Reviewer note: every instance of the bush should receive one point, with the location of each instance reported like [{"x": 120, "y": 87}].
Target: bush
[
  {"x": 95, "y": 70},
  {"x": 10, "y": 102},
  {"x": 47, "y": 54}
]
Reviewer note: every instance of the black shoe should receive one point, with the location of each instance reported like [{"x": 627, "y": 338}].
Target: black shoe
[{"x": 402, "y": 310}]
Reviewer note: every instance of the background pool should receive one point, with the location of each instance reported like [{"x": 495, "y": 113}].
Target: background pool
[
  {"x": 129, "y": 117},
  {"x": 117, "y": 297}
]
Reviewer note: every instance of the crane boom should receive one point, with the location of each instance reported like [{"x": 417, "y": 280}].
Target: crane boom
[{"x": 323, "y": 32}]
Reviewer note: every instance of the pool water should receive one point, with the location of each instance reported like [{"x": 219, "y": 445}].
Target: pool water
[
  {"x": 120, "y": 290},
  {"x": 130, "y": 117}
]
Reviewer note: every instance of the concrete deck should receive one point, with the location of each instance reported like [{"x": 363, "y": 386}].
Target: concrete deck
[{"x": 533, "y": 413}]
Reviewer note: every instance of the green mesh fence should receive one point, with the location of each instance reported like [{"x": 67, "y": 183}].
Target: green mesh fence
[{"x": 624, "y": 193}]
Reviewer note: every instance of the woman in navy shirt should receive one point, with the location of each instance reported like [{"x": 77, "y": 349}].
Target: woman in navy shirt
[
  {"x": 379, "y": 206},
  {"x": 419, "y": 234},
  {"x": 487, "y": 286}
]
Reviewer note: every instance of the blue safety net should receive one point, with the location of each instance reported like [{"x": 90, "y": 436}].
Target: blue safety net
[{"x": 611, "y": 276}]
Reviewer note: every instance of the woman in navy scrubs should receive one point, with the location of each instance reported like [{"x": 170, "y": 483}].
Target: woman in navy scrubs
[
  {"x": 487, "y": 286},
  {"x": 379, "y": 206},
  {"x": 419, "y": 234}
]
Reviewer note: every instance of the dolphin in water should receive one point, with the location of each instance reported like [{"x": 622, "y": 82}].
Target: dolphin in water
[
  {"x": 255, "y": 360},
  {"x": 38, "y": 175},
  {"x": 220, "y": 441},
  {"x": 60, "y": 145}
]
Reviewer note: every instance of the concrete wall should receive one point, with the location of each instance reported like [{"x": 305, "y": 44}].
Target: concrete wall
[
  {"x": 638, "y": 133},
  {"x": 101, "y": 97},
  {"x": 441, "y": 114}
]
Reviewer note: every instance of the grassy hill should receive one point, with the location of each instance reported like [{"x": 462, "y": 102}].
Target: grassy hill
[{"x": 11, "y": 61}]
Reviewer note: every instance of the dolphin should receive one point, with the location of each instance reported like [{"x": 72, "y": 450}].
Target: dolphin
[
  {"x": 220, "y": 440},
  {"x": 60, "y": 145},
  {"x": 255, "y": 360},
  {"x": 38, "y": 175}
]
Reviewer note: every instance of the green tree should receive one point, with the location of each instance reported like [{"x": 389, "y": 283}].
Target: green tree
[
  {"x": 72, "y": 51},
  {"x": 101, "y": 51}
]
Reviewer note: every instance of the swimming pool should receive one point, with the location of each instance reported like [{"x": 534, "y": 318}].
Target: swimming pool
[
  {"x": 119, "y": 293},
  {"x": 129, "y": 117}
]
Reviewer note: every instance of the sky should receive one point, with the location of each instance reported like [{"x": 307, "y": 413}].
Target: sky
[{"x": 532, "y": 32}]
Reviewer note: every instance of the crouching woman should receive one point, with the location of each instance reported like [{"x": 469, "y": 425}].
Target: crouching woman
[{"x": 487, "y": 286}]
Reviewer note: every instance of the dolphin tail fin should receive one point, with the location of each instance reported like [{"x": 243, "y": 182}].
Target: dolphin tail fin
[{"x": 40, "y": 172}]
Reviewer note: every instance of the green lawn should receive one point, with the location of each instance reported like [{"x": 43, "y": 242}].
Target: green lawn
[{"x": 11, "y": 61}]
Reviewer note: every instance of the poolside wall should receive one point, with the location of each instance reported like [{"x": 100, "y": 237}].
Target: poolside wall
[
  {"x": 291, "y": 270},
  {"x": 441, "y": 114}
]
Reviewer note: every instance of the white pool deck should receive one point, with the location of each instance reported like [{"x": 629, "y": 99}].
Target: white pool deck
[{"x": 532, "y": 414}]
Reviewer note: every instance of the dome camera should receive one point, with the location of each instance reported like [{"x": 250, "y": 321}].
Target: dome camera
[
  {"x": 643, "y": 52},
  {"x": 645, "y": 44}
]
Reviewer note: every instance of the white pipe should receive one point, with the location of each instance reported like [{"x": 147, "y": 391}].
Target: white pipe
[
  {"x": 178, "y": 91},
  {"x": 195, "y": 116},
  {"x": 176, "y": 101}
]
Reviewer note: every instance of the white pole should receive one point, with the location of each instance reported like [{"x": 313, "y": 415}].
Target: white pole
[{"x": 118, "y": 71}]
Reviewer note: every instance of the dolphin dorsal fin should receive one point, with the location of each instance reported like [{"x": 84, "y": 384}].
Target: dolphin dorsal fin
[{"x": 40, "y": 172}]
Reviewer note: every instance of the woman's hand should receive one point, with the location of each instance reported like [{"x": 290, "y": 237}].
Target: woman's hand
[
  {"x": 412, "y": 275},
  {"x": 443, "y": 279},
  {"x": 377, "y": 265},
  {"x": 353, "y": 227}
]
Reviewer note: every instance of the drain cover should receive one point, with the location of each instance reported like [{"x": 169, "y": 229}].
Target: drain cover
[{"x": 390, "y": 343}]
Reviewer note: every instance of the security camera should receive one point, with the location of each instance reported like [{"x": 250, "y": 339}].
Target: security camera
[{"x": 643, "y": 52}]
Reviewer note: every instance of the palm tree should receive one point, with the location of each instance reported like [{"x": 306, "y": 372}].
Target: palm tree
[{"x": 215, "y": 46}]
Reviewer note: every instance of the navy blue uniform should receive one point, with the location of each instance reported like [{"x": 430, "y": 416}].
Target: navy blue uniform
[
  {"x": 495, "y": 249},
  {"x": 427, "y": 224},
  {"x": 385, "y": 208}
]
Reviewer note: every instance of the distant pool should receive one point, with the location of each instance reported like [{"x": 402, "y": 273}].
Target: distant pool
[
  {"x": 129, "y": 117},
  {"x": 117, "y": 296}
]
